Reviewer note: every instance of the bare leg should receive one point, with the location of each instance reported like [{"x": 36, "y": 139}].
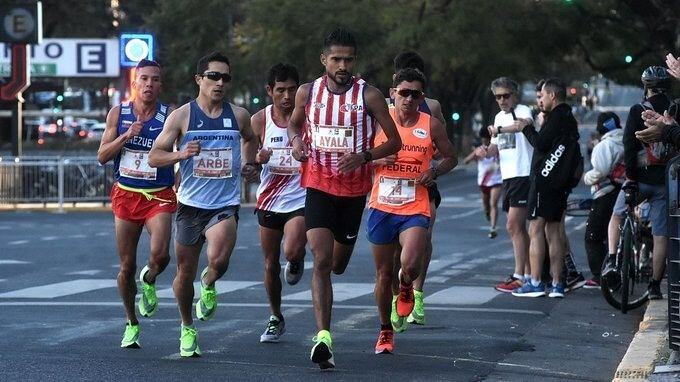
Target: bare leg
[
  {"x": 516, "y": 226},
  {"x": 159, "y": 228},
  {"x": 537, "y": 247},
  {"x": 270, "y": 240},
  {"x": 127, "y": 238},
  {"x": 321, "y": 242}
]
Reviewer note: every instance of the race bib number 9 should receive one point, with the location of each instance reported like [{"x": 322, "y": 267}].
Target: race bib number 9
[
  {"x": 282, "y": 162},
  {"x": 396, "y": 191},
  {"x": 213, "y": 164},
  {"x": 334, "y": 139},
  {"x": 135, "y": 164}
]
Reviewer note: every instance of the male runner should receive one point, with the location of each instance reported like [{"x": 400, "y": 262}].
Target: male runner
[
  {"x": 399, "y": 206},
  {"x": 142, "y": 196},
  {"x": 338, "y": 112},
  {"x": 280, "y": 198},
  {"x": 404, "y": 60},
  {"x": 209, "y": 132}
]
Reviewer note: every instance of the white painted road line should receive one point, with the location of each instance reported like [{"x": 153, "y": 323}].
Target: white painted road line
[
  {"x": 60, "y": 289},
  {"x": 462, "y": 295},
  {"x": 341, "y": 292},
  {"x": 3, "y": 262},
  {"x": 89, "y": 272},
  {"x": 18, "y": 242},
  {"x": 221, "y": 286}
]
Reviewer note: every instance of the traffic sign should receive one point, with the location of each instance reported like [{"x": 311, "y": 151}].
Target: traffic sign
[
  {"x": 135, "y": 47},
  {"x": 21, "y": 23}
]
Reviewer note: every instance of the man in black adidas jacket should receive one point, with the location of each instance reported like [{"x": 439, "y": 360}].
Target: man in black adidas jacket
[{"x": 546, "y": 203}]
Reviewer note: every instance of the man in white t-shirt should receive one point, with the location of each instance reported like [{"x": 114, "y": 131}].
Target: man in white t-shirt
[{"x": 515, "y": 154}]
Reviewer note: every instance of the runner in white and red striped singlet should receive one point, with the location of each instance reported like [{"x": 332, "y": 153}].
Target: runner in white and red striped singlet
[{"x": 339, "y": 114}]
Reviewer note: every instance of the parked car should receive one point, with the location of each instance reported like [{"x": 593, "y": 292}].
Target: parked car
[{"x": 96, "y": 131}]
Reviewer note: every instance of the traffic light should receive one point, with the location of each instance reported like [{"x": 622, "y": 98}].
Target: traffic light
[
  {"x": 572, "y": 91},
  {"x": 455, "y": 117},
  {"x": 628, "y": 59},
  {"x": 256, "y": 100}
]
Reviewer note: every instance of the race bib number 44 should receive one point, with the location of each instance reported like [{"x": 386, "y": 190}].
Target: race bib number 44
[
  {"x": 282, "y": 162},
  {"x": 135, "y": 164},
  {"x": 334, "y": 139},
  {"x": 396, "y": 191},
  {"x": 213, "y": 164}
]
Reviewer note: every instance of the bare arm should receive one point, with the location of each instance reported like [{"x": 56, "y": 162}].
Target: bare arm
[
  {"x": 111, "y": 142},
  {"x": 248, "y": 144},
  {"x": 161, "y": 154},
  {"x": 257, "y": 122},
  {"x": 297, "y": 120},
  {"x": 448, "y": 161},
  {"x": 470, "y": 157},
  {"x": 436, "y": 110}
]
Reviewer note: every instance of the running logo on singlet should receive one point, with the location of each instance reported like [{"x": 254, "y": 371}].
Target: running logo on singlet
[
  {"x": 334, "y": 139},
  {"x": 213, "y": 164},
  {"x": 506, "y": 141}
]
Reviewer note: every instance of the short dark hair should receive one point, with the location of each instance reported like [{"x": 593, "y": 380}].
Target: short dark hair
[
  {"x": 144, "y": 63},
  {"x": 282, "y": 72},
  {"x": 409, "y": 75},
  {"x": 539, "y": 85},
  {"x": 339, "y": 37},
  {"x": 409, "y": 59},
  {"x": 203, "y": 62},
  {"x": 484, "y": 132},
  {"x": 555, "y": 85}
]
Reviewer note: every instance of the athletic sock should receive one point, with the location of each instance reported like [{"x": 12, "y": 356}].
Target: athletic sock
[
  {"x": 518, "y": 276},
  {"x": 535, "y": 282}
]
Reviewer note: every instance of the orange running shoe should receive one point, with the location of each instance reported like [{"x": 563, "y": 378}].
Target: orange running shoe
[
  {"x": 405, "y": 301},
  {"x": 385, "y": 344}
]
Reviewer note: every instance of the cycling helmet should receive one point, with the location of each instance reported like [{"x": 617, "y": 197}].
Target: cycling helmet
[{"x": 656, "y": 77}]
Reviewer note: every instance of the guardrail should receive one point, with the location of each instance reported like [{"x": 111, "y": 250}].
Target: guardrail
[
  {"x": 65, "y": 180},
  {"x": 54, "y": 180}
]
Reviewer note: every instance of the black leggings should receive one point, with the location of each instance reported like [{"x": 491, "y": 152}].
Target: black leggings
[{"x": 596, "y": 231}]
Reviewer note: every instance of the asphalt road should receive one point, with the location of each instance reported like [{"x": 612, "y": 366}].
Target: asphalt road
[{"x": 62, "y": 318}]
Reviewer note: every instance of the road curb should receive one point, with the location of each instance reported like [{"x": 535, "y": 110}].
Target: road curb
[{"x": 648, "y": 346}]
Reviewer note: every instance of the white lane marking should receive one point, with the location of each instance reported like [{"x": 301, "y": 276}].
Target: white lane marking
[
  {"x": 240, "y": 248},
  {"x": 48, "y": 238},
  {"x": 221, "y": 286},
  {"x": 309, "y": 264},
  {"x": 3, "y": 262},
  {"x": 18, "y": 242},
  {"x": 173, "y": 305},
  {"x": 102, "y": 234},
  {"x": 3, "y": 227},
  {"x": 437, "y": 279},
  {"x": 351, "y": 321},
  {"x": 60, "y": 289},
  {"x": 454, "y": 272},
  {"x": 462, "y": 295},
  {"x": 89, "y": 272},
  {"x": 341, "y": 292},
  {"x": 461, "y": 215},
  {"x": 77, "y": 236}
]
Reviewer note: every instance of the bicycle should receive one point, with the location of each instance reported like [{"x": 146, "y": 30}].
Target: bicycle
[{"x": 626, "y": 289}]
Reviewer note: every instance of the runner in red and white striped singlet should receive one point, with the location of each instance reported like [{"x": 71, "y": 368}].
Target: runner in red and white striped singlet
[
  {"x": 338, "y": 113},
  {"x": 337, "y": 124}
]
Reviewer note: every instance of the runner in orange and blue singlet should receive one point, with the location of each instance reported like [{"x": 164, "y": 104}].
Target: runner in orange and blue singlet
[{"x": 399, "y": 208}]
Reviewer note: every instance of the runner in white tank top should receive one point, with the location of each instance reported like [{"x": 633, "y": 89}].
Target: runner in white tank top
[{"x": 280, "y": 197}]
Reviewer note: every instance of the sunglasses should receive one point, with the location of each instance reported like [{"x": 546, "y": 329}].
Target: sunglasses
[
  {"x": 216, "y": 76},
  {"x": 409, "y": 92},
  {"x": 503, "y": 96}
]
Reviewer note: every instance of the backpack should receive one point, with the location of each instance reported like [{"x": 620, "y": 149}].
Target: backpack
[
  {"x": 562, "y": 167},
  {"x": 657, "y": 153}
]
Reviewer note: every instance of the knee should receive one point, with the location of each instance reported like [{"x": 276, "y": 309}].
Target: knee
[
  {"x": 512, "y": 227},
  {"x": 272, "y": 266},
  {"x": 160, "y": 257},
  {"x": 323, "y": 264},
  {"x": 294, "y": 252}
]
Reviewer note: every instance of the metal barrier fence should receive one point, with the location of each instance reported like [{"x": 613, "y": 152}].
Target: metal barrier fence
[
  {"x": 673, "y": 262},
  {"x": 54, "y": 180}
]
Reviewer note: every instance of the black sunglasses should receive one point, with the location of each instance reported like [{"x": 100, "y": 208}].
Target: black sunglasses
[
  {"x": 216, "y": 76},
  {"x": 409, "y": 92},
  {"x": 503, "y": 95}
]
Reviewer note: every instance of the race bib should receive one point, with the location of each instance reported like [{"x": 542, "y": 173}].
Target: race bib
[
  {"x": 282, "y": 162},
  {"x": 396, "y": 191},
  {"x": 334, "y": 139},
  {"x": 213, "y": 163},
  {"x": 135, "y": 164}
]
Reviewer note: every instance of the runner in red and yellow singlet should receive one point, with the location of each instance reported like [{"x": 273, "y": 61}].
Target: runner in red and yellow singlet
[
  {"x": 332, "y": 129},
  {"x": 399, "y": 208}
]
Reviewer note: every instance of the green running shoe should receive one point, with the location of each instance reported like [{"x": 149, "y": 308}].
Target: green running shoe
[
  {"x": 322, "y": 351},
  {"x": 188, "y": 342},
  {"x": 207, "y": 303},
  {"x": 148, "y": 302},
  {"x": 399, "y": 324},
  {"x": 417, "y": 316},
  {"x": 131, "y": 336}
]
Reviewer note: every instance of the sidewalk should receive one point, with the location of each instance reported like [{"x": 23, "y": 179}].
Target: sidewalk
[{"x": 649, "y": 348}]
